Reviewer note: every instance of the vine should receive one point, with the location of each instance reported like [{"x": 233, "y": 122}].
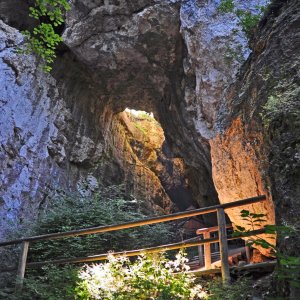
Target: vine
[{"x": 43, "y": 40}]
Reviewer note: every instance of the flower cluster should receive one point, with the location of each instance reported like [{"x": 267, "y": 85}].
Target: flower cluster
[{"x": 148, "y": 277}]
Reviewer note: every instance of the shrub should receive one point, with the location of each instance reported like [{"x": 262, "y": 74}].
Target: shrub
[
  {"x": 240, "y": 289},
  {"x": 288, "y": 268},
  {"x": 148, "y": 277},
  {"x": 109, "y": 206}
]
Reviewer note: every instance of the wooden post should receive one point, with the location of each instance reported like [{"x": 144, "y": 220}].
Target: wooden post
[
  {"x": 248, "y": 255},
  {"x": 22, "y": 266},
  {"x": 200, "y": 253},
  {"x": 207, "y": 252},
  {"x": 223, "y": 245}
]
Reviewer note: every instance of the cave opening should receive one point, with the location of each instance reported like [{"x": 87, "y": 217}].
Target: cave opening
[{"x": 152, "y": 172}]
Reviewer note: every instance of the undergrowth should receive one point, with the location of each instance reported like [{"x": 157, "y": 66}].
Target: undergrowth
[{"x": 110, "y": 206}]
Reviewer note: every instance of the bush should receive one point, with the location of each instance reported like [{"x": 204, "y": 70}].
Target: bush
[
  {"x": 148, "y": 277},
  {"x": 240, "y": 289},
  {"x": 110, "y": 206}
]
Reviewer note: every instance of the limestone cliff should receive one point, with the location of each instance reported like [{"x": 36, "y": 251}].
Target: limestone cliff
[
  {"x": 151, "y": 172},
  {"x": 230, "y": 115},
  {"x": 258, "y": 140}
]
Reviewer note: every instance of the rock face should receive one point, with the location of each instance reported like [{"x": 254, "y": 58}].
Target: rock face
[
  {"x": 264, "y": 104},
  {"x": 259, "y": 121},
  {"x": 30, "y": 105},
  {"x": 239, "y": 172},
  {"x": 183, "y": 61},
  {"x": 151, "y": 172}
]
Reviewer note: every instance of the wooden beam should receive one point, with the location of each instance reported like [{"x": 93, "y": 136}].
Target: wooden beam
[
  {"x": 170, "y": 217},
  {"x": 211, "y": 229},
  {"x": 105, "y": 256},
  {"x": 248, "y": 254},
  {"x": 223, "y": 246},
  {"x": 22, "y": 266}
]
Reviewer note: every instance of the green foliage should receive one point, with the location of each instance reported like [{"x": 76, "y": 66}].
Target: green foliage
[
  {"x": 43, "y": 40},
  {"x": 109, "y": 206},
  {"x": 140, "y": 127},
  {"x": 226, "y": 6},
  {"x": 247, "y": 19},
  {"x": 274, "y": 106},
  {"x": 237, "y": 290},
  {"x": 255, "y": 222},
  {"x": 148, "y": 277},
  {"x": 288, "y": 266},
  {"x": 51, "y": 283}
]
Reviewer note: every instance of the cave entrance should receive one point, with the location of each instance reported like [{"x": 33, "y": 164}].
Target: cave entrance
[{"x": 153, "y": 175}]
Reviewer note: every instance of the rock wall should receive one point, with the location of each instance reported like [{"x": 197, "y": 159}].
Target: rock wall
[
  {"x": 183, "y": 61},
  {"x": 240, "y": 171},
  {"x": 259, "y": 122},
  {"x": 137, "y": 141},
  {"x": 30, "y": 106}
]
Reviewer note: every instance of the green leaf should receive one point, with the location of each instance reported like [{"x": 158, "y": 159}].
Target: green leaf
[
  {"x": 240, "y": 228},
  {"x": 245, "y": 213},
  {"x": 260, "y": 220},
  {"x": 257, "y": 215}
]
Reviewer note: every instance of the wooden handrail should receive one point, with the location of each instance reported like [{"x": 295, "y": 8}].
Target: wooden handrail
[
  {"x": 211, "y": 229},
  {"x": 100, "y": 229},
  {"x": 129, "y": 253},
  {"x": 159, "y": 219}
]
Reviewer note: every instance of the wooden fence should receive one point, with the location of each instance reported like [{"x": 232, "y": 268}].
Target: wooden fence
[{"x": 222, "y": 238}]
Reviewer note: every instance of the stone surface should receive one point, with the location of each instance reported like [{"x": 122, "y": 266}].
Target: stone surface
[
  {"x": 259, "y": 121},
  {"x": 183, "y": 61},
  {"x": 29, "y": 106},
  {"x": 239, "y": 166},
  {"x": 41, "y": 152},
  {"x": 215, "y": 49},
  {"x": 151, "y": 172}
]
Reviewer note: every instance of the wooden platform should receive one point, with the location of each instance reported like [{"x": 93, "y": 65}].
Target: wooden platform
[{"x": 259, "y": 267}]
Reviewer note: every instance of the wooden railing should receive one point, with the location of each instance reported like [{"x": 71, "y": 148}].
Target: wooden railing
[{"x": 222, "y": 238}]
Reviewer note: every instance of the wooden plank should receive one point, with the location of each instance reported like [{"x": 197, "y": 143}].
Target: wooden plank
[
  {"x": 205, "y": 272},
  {"x": 264, "y": 267},
  {"x": 223, "y": 246},
  {"x": 22, "y": 266},
  {"x": 170, "y": 217},
  {"x": 104, "y": 256},
  {"x": 211, "y": 229},
  {"x": 140, "y": 251}
]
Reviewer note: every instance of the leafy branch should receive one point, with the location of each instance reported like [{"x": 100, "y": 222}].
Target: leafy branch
[
  {"x": 43, "y": 40},
  {"x": 289, "y": 266}
]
